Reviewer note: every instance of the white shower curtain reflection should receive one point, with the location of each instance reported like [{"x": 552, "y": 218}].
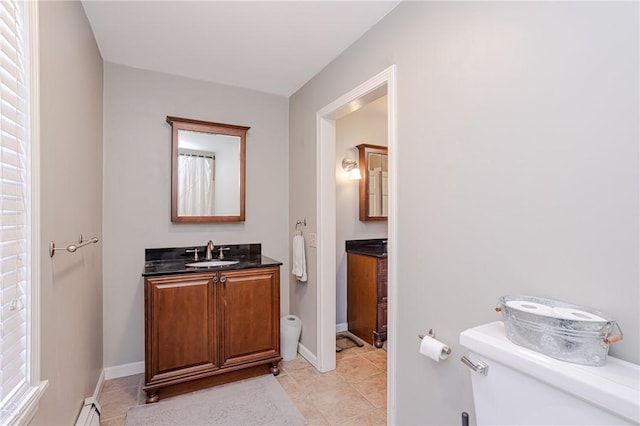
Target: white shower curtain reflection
[{"x": 195, "y": 185}]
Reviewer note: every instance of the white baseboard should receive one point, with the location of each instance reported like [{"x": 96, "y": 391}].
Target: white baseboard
[
  {"x": 96, "y": 392},
  {"x": 308, "y": 355},
  {"x": 342, "y": 327},
  {"x": 130, "y": 369},
  {"x": 123, "y": 370}
]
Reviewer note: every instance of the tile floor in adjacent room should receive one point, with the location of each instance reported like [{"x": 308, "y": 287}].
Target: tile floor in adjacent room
[{"x": 355, "y": 393}]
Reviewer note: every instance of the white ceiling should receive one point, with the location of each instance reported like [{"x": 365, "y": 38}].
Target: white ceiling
[{"x": 270, "y": 46}]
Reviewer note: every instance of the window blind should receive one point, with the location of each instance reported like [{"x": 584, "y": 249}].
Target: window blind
[{"x": 14, "y": 209}]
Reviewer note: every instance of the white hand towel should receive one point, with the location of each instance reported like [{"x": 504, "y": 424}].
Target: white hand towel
[{"x": 299, "y": 263}]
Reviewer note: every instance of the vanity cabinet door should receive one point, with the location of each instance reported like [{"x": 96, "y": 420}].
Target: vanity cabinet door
[
  {"x": 250, "y": 316},
  {"x": 180, "y": 324},
  {"x": 367, "y": 298}
]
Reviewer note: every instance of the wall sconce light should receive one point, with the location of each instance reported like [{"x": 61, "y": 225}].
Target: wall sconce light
[{"x": 351, "y": 166}]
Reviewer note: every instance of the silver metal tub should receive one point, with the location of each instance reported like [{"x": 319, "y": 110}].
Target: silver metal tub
[{"x": 567, "y": 332}]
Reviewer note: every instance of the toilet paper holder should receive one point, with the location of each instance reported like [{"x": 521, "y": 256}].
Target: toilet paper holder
[{"x": 432, "y": 334}]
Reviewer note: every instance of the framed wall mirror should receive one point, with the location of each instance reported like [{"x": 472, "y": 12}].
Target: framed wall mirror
[
  {"x": 374, "y": 185},
  {"x": 207, "y": 171}
]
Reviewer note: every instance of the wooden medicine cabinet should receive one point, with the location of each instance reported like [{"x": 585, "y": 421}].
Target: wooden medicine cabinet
[
  {"x": 374, "y": 185},
  {"x": 207, "y": 171}
]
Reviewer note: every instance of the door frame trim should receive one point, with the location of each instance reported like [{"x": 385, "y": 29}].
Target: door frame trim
[{"x": 326, "y": 214}]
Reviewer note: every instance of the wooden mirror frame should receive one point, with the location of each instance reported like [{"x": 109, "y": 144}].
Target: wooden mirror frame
[
  {"x": 177, "y": 124},
  {"x": 363, "y": 151}
]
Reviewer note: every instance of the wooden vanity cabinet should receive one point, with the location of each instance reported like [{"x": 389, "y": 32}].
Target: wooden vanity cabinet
[
  {"x": 367, "y": 297},
  {"x": 210, "y": 328}
]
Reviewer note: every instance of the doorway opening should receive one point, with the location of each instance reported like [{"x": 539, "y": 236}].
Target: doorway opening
[{"x": 372, "y": 89}]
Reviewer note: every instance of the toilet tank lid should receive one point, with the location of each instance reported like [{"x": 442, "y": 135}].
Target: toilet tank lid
[{"x": 614, "y": 386}]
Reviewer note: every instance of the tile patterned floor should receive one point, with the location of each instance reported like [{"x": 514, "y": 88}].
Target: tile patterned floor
[{"x": 355, "y": 393}]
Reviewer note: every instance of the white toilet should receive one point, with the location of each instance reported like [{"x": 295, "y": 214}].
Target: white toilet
[{"x": 524, "y": 387}]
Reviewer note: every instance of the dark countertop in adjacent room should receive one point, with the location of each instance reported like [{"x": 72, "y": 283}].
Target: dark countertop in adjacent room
[{"x": 371, "y": 247}]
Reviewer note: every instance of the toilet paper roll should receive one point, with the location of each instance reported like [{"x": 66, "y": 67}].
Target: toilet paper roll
[
  {"x": 531, "y": 307},
  {"x": 577, "y": 315},
  {"x": 434, "y": 349}
]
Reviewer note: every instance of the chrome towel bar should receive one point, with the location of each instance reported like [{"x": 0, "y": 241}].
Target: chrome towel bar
[
  {"x": 299, "y": 225},
  {"x": 71, "y": 248}
]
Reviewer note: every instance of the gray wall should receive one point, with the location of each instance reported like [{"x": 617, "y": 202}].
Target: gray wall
[
  {"x": 366, "y": 125},
  {"x": 137, "y": 186},
  {"x": 71, "y": 203},
  {"x": 517, "y": 172}
]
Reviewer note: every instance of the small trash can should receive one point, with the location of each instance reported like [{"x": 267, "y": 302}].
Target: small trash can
[{"x": 290, "y": 327}]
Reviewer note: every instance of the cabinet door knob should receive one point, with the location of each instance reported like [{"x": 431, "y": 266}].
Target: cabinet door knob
[
  {"x": 223, "y": 279},
  {"x": 215, "y": 279}
]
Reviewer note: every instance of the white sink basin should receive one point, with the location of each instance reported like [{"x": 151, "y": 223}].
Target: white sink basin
[{"x": 212, "y": 263}]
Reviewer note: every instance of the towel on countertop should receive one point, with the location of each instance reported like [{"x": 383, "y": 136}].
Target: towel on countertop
[{"x": 299, "y": 262}]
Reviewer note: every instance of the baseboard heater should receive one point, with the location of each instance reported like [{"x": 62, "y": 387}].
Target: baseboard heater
[{"x": 90, "y": 413}]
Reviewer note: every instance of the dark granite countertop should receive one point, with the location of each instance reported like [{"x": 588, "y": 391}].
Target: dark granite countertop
[
  {"x": 372, "y": 247},
  {"x": 172, "y": 261}
]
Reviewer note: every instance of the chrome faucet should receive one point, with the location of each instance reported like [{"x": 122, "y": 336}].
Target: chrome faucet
[
  {"x": 221, "y": 251},
  {"x": 209, "y": 254},
  {"x": 195, "y": 253}
]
